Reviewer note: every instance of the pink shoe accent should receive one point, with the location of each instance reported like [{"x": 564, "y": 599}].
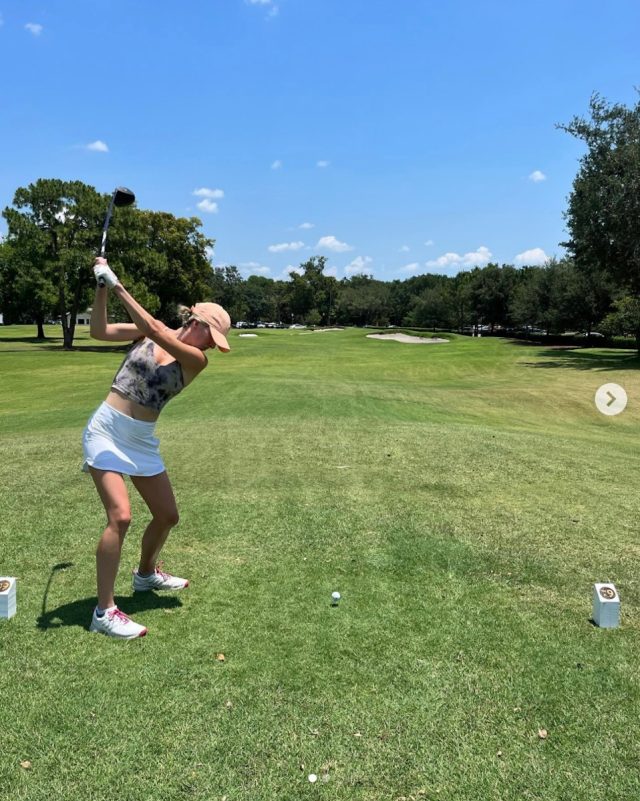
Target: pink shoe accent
[
  {"x": 121, "y": 615},
  {"x": 125, "y": 619}
]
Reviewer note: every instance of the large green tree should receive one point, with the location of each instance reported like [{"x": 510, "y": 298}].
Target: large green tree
[
  {"x": 363, "y": 301},
  {"x": 603, "y": 214},
  {"x": 27, "y": 294},
  {"x": 491, "y": 288},
  {"x": 53, "y": 234},
  {"x": 228, "y": 289},
  {"x": 260, "y": 298},
  {"x": 434, "y": 307},
  {"x": 53, "y": 226},
  {"x": 164, "y": 259},
  {"x": 313, "y": 294}
]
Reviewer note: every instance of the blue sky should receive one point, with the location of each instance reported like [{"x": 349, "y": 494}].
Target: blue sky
[{"x": 393, "y": 138}]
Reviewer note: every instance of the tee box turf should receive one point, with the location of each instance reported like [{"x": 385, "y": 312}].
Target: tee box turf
[
  {"x": 606, "y": 606},
  {"x": 7, "y": 596}
]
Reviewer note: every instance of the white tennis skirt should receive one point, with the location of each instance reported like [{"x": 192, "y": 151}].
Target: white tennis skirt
[{"x": 116, "y": 442}]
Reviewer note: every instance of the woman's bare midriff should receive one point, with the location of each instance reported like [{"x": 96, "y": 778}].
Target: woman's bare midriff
[{"x": 131, "y": 408}]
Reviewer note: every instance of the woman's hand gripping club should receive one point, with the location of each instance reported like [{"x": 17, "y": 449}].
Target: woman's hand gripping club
[{"x": 104, "y": 274}]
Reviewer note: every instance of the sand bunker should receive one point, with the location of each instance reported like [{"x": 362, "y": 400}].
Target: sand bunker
[
  {"x": 324, "y": 330},
  {"x": 407, "y": 338},
  {"x": 247, "y": 335}
]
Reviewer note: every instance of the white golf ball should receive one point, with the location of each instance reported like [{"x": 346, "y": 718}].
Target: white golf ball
[
  {"x": 335, "y": 596},
  {"x": 313, "y": 778}
]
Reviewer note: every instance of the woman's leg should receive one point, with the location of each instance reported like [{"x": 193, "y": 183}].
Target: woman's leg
[
  {"x": 113, "y": 494},
  {"x": 157, "y": 493}
]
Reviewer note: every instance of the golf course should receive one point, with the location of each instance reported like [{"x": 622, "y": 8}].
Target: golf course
[{"x": 463, "y": 497}]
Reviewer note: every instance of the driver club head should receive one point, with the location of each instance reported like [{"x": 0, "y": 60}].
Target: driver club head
[{"x": 123, "y": 197}]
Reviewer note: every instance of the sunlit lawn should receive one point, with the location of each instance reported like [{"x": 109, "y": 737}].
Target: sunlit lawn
[{"x": 463, "y": 498}]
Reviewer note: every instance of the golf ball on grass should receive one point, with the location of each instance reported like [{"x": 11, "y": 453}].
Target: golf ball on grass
[{"x": 335, "y": 597}]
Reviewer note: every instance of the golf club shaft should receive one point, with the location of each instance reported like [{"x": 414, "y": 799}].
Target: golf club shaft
[
  {"x": 105, "y": 228},
  {"x": 121, "y": 197}
]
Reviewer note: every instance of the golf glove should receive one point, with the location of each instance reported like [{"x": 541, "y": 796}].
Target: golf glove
[{"x": 105, "y": 275}]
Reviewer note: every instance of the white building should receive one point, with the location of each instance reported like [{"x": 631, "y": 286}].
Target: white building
[{"x": 84, "y": 318}]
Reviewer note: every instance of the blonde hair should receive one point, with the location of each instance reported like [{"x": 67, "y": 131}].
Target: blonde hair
[{"x": 184, "y": 314}]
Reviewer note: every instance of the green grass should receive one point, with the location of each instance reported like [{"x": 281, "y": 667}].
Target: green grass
[{"x": 463, "y": 498}]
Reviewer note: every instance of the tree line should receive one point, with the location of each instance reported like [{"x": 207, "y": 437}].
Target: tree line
[
  {"x": 54, "y": 228},
  {"x": 554, "y": 298}
]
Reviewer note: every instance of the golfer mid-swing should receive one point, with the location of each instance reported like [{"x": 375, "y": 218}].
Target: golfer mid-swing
[{"x": 119, "y": 438}]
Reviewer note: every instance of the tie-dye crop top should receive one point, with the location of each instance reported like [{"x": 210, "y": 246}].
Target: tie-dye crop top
[{"x": 141, "y": 379}]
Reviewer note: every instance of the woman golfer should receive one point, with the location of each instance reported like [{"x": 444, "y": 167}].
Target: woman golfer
[{"x": 119, "y": 438}]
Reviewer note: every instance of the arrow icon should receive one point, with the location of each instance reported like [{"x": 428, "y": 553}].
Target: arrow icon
[{"x": 611, "y": 399}]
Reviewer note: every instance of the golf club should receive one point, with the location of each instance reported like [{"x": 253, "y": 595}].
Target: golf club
[{"x": 121, "y": 197}]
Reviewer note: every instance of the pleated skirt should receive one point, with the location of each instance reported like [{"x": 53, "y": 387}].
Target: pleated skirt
[{"x": 116, "y": 442}]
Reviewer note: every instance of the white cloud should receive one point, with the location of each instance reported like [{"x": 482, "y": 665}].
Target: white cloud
[
  {"x": 255, "y": 268},
  {"x": 410, "y": 268},
  {"x": 404, "y": 249},
  {"x": 533, "y": 258},
  {"x": 208, "y": 206},
  {"x": 98, "y": 146},
  {"x": 331, "y": 243},
  {"x": 537, "y": 176},
  {"x": 322, "y": 163},
  {"x": 358, "y": 265},
  {"x": 34, "y": 28},
  {"x": 429, "y": 242},
  {"x": 276, "y": 165},
  {"x": 475, "y": 258},
  {"x": 289, "y": 269},
  {"x": 306, "y": 225},
  {"x": 273, "y": 9},
  {"x": 285, "y": 246},
  {"x": 210, "y": 193},
  {"x": 209, "y": 251}
]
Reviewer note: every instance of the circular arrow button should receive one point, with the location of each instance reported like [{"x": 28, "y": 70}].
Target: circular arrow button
[{"x": 611, "y": 399}]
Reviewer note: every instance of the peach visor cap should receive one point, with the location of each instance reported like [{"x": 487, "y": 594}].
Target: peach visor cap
[{"x": 218, "y": 321}]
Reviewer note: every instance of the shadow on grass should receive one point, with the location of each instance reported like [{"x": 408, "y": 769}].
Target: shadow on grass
[
  {"x": 587, "y": 359},
  {"x": 538, "y": 343},
  {"x": 30, "y": 340},
  {"x": 56, "y": 343},
  {"x": 78, "y": 613},
  {"x": 81, "y": 348}
]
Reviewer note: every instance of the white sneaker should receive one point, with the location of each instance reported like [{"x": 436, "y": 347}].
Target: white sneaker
[
  {"x": 158, "y": 580},
  {"x": 115, "y": 623}
]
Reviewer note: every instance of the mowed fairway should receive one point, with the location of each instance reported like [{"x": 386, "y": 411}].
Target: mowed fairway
[{"x": 463, "y": 498}]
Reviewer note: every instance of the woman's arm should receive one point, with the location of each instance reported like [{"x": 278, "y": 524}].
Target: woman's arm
[
  {"x": 99, "y": 328},
  {"x": 189, "y": 357}
]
